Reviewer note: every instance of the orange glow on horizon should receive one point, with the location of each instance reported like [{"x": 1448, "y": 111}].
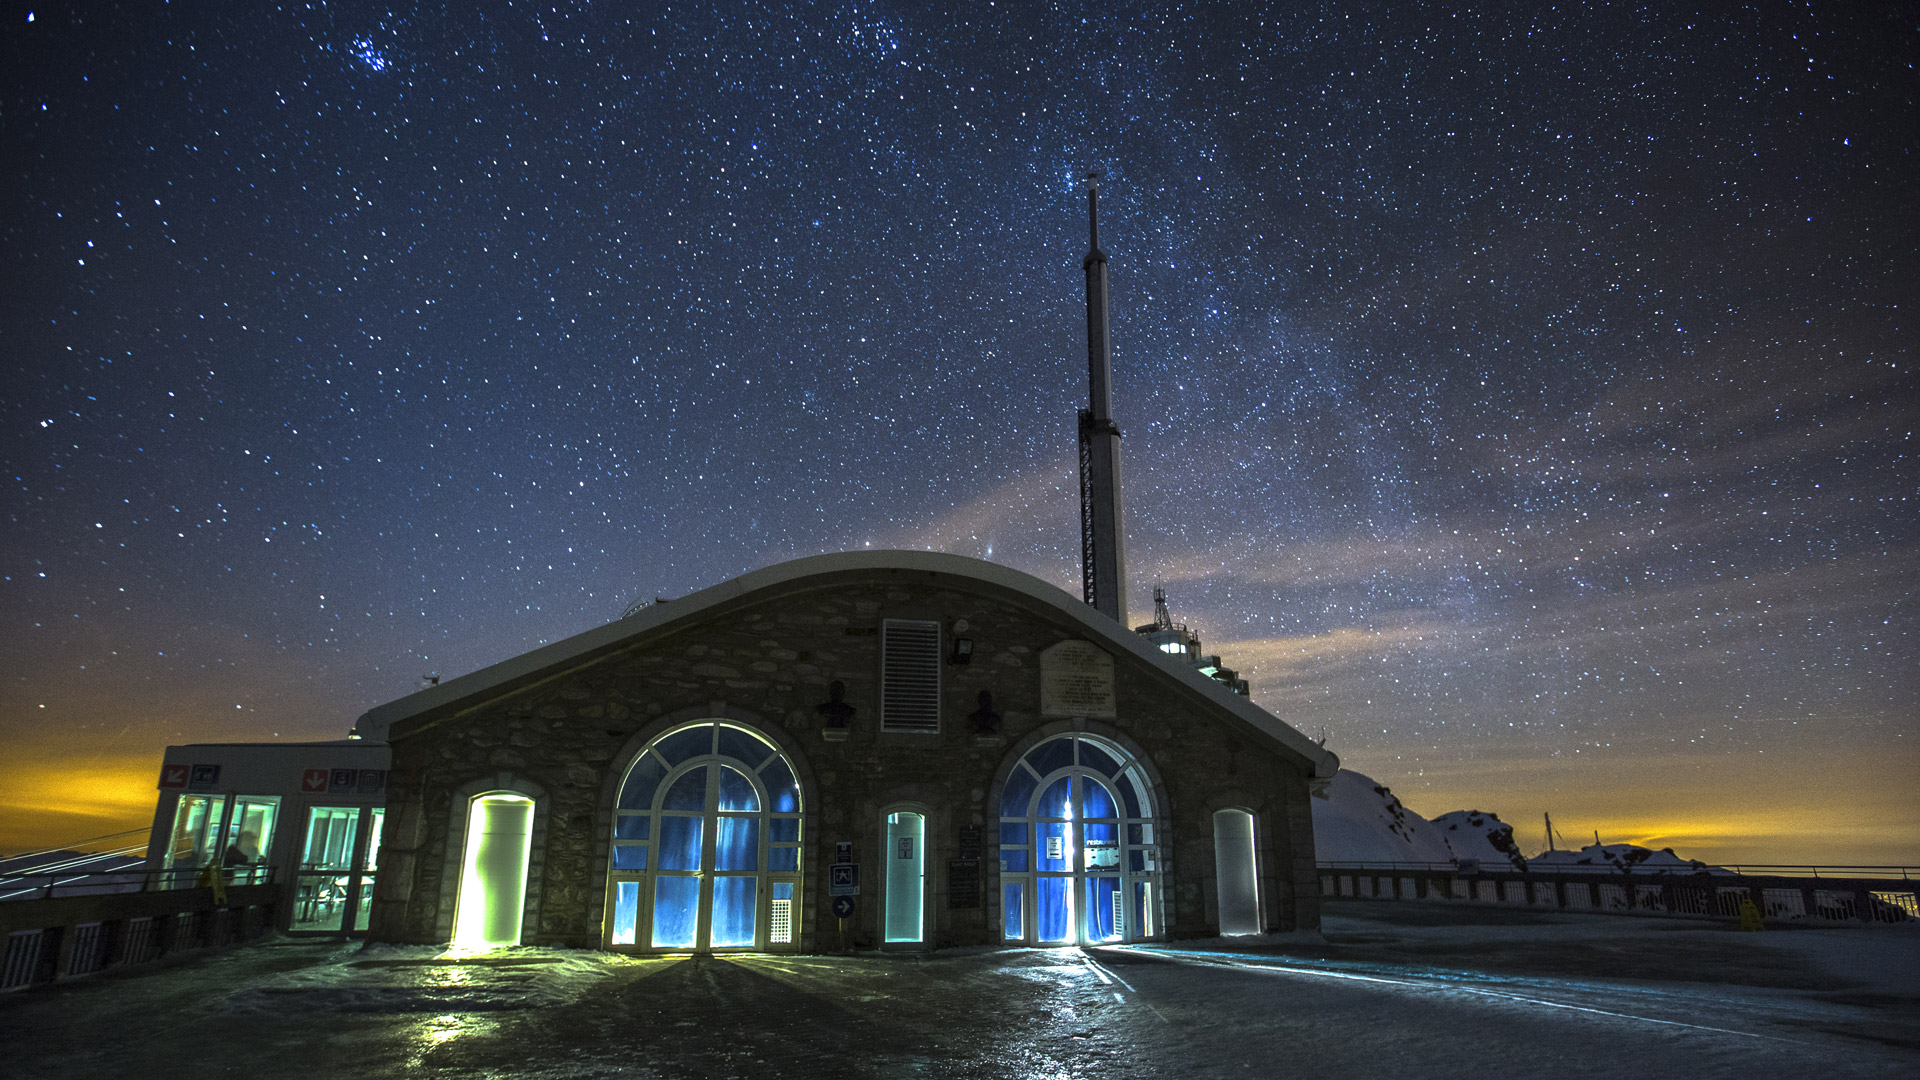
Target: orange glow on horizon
[{"x": 48, "y": 803}]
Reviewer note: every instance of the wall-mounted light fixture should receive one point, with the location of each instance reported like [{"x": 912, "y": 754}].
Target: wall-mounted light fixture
[{"x": 962, "y": 651}]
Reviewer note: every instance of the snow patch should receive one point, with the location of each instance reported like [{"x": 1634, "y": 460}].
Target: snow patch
[
  {"x": 1357, "y": 820},
  {"x": 1476, "y": 834},
  {"x": 429, "y": 979},
  {"x": 1617, "y": 859}
]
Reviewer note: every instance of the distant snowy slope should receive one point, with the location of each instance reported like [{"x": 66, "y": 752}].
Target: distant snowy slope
[
  {"x": 1357, "y": 820},
  {"x": 1613, "y": 858},
  {"x": 1473, "y": 834}
]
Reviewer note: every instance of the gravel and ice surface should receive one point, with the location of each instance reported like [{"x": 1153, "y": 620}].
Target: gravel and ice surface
[{"x": 1408, "y": 989}]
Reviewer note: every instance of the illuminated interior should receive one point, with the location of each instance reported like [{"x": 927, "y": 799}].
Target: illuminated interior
[
  {"x": 1235, "y": 873},
  {"x": 706, "y": 844},
  {"x": 1078, "y": 846},
  {"x": 906, "y": 876},
  {"x": 493, "y": 877}
]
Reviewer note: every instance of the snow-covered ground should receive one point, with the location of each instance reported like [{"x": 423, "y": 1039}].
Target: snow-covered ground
[{"x": 1435, "y": 991}]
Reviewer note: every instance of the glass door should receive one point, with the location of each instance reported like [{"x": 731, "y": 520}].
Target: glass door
[
  {"x": 369, "y": 867},
  {"x": 327, "y": 884},
  {"x": 906, "y": 876},
  {"x": 196, "y": 833}
]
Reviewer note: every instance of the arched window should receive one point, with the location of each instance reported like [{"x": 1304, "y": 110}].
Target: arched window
[
  {"x": 706, "y": 843},
  {"x": 1078, "y": 843}
]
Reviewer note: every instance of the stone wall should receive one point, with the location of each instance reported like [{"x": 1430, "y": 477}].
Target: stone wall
[{"x": 572, "y": 733}]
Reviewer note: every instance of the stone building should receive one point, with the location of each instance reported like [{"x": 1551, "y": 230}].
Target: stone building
[{"x": 982, "y": 756}]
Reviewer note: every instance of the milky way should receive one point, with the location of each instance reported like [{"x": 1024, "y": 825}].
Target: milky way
[{"x": 1522, "y": 400}]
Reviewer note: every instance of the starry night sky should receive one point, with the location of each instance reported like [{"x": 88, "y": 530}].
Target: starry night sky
[{"x": 1522, "y": 399}]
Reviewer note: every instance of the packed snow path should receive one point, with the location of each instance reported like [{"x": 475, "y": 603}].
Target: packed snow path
[{"x": 1395, "y": 989}]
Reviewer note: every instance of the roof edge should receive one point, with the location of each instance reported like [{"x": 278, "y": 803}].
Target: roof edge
[{"x": 376, "y": 722}]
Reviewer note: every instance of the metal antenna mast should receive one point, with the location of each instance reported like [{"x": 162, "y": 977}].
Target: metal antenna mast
[{"x": 1102, "y": 554}]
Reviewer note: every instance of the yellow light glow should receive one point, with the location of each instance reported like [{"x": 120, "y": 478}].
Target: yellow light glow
[{"x": 493, "y": 878}]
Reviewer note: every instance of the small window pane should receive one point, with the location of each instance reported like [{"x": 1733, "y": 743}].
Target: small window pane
[
  {"x": 1055, "y": 847},
  {"x": 630, "y": 827},
  {"x": 637, "y": 792},
  {"x": 782, "y": 791},
  {"x": 783, "y": 828},
  {"x": 733, "y": 911},
  {"x": 1014, "y": 860},
  {"x": 744, "y": 745},
  {"x": 736, "y": 844},
  {"x": 630, "y": 857},
  {"x": 736, "y": 791},
  {"x": 1104, "y": 905},
  {"x": 626, "y": 910},
  {"x": 785, "y": 859},
  {"x": 1018, "y": 792},
  {"x": 1131, "y": 791},
  {"x": 1097, "y": 759},
  {"x": 682, "y": 745},
  {"x": 1013, "y": 832},
  {"x": 680, "y": 843},
  {"x": 676, "y": 911},
  {"x": 1049, "y": 757},
  {"x": 1095, "y": 800},
  {"x": 1012, "y": 901},
  {"x": 1053, "y": 899},
  {"x": 1055, "y": 802},
  {"x": 689, "y": 792}
]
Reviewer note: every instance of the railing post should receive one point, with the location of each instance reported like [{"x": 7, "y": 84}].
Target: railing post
[
  {"x": 113, "y": 942},
  {"x": 64, "y": 937}
]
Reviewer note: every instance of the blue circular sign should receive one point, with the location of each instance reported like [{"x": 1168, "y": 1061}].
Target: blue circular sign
[{"x": 843, "y": 906}]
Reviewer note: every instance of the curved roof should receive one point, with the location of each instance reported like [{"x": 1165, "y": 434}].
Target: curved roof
[{"x": 449, "y": 698}]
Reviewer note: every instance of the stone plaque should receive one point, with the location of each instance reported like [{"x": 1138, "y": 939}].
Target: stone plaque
[
  {"x": 969, "y": 842},
  {"x": 1076, "y": 679},
  {"x": 963, "y": 883}
]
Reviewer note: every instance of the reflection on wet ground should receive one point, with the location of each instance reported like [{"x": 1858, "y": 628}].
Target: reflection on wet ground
[{"x": 1430, "y": 998}]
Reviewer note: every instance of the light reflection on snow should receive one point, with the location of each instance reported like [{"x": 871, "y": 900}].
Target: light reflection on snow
[{"x": 1423, "y": 979}]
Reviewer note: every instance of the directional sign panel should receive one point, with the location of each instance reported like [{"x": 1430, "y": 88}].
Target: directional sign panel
[
  {"x": 173, "y": 776},
  {"x": 843, "y": 907},
  {"x": 313, "y": 781}
]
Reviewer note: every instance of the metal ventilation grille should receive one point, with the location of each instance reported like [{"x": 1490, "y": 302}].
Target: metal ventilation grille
[{"x": 909, "y": 675}]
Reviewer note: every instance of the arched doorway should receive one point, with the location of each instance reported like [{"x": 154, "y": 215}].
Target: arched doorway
[
  {"x": 493, "y": 870},
  {"x": 1236, "y": 872},
  {"x": 905, "y": 881},
  {"x": 1078, "y": 846},
  {"x": 706, "y": 844}
]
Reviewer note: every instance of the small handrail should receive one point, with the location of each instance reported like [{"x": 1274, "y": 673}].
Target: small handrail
[{"x": 40, "y": 886}]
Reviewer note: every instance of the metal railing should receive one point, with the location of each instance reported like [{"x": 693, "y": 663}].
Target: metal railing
[
  {"x": 42, "y": 885},
  {"x": 60, "y": 934},
  {"x": 1883, "y": 894}
]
